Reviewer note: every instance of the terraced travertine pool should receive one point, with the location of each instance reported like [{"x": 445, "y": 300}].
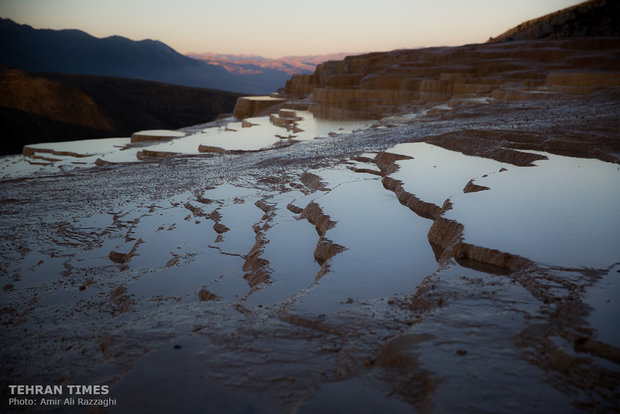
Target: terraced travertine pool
[{"x": 263, "y": 277}]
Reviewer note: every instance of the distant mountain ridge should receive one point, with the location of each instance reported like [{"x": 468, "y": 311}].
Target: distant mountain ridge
[
  {"x": 77, "y": 52},
  {"x": 291, "y": 65}
]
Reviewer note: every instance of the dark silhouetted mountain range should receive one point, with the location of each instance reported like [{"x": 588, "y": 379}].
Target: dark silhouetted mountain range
[
  {"x": 77, "y": 52},
  {"x": 291, "y": 65}
]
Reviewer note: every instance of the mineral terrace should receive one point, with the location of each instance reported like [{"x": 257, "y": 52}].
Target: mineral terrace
[{"x": 433, "y": 230}]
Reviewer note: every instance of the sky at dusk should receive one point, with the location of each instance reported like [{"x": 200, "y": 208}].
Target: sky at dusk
[{"x": 276, "y": 28}]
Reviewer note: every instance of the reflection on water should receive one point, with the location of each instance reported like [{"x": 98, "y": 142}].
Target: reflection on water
[
  {"x": 604, "y": 297},
  {"x": 85, "y": 146},
  {"x": 434, "y": 173},
  {"x": 69, "y": 155},
  {"x": 353, "y": 395},
  {"x": 320, "y": 334},
  {"x": 562, "y": 212},
  {"x": 289, "y": 253},
  {"x": 233, "y": 136},
  {"x": 386, "y": 247},
  {"x": 227, "y": 134}
]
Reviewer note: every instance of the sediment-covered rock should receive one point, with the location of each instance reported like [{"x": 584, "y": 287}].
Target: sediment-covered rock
[
  {"x": 421, "y": 208},
  {"x": 301, "y": 85},
  {"x": 248, "y": 106},
  {"x": 313, "y": 182},
  {"x": 598, "y": 348},
  {"x": 314, "y": 214},
  {"x": 400, "y": 352},
  {"x": 146, "y": 154},
  {"x": 489, "y": 144},
  {"x": 471, "y": 187},
  {"x": 123, "y": 258},
  {"x": 582, "y": 82},
  {"x": 220, "y": 228},
  {"x": 375, "y": 84},
  {"x": 31, "y": 151},
  {"x": 386, "y": 161},
  {"x": 205, "y": 295},
  {"x": 256, "y": 268},
  {"x": 326, "y": 249},
  {"x": 156, "y": 135},
  {"x": 448, "y": 236},
  {"x": 209, "y": 148}
]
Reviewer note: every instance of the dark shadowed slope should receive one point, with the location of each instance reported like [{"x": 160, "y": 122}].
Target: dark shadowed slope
[
  {"x": 589, "y": 19},
  {"x": 76, "y": 52},
  {"x": 47, "y": 107}
]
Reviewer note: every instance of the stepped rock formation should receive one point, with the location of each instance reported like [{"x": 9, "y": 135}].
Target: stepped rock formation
[
  {"x": 461, "y": 257},
  {"x": 252, "y": 105},
  {"x": 155, "y": 135},
  {"x": 376, "y": 84}
]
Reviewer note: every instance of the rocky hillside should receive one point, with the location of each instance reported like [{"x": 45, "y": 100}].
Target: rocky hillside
[
  {"x": 592, "y": 18},
  {"x": 570, "y": 51},
  {"x": 47, "y": 107},
  {"x": 375, "y": 84}
]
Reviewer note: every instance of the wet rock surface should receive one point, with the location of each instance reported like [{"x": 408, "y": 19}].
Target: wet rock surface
[{"x": 348, "y": 273}]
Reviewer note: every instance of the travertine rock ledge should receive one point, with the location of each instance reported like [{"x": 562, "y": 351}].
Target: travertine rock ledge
[
  {"x": 156, "y": 135},
  {"x": 376, "y": 84},
  {"x": 247, "y": 106}
]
